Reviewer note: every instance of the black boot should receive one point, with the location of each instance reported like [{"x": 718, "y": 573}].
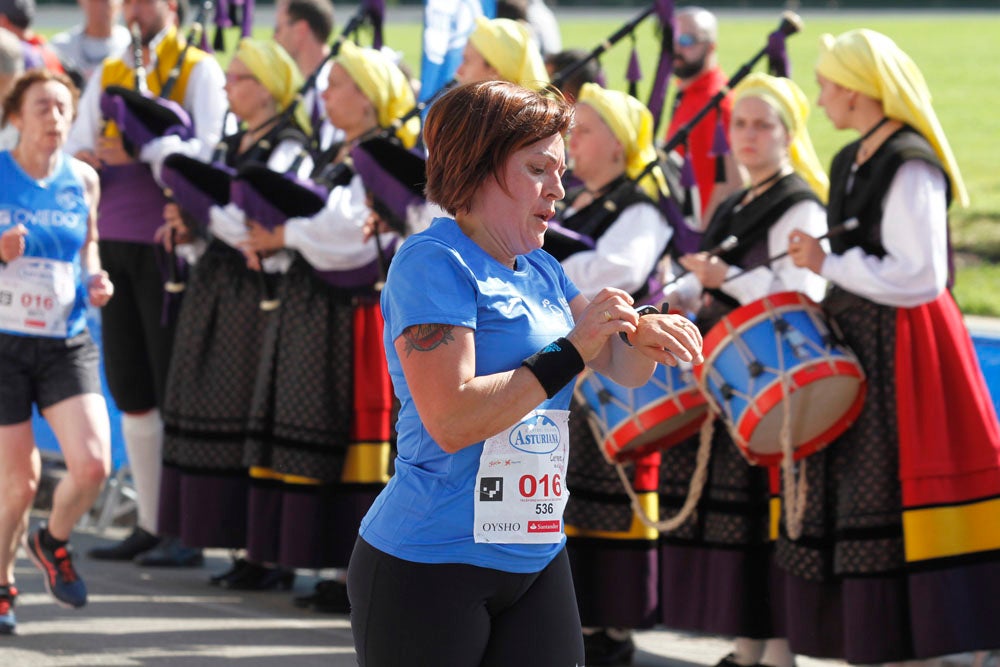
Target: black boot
[
  {"x": 171, "y": 553},
  {"x": 139, "y": 542},
  {"x": 329, "y": 597},
  {"x": 233, "y": 572},
  {"x": 604, "y": 649},
  {"x": 256, "y": 577}
]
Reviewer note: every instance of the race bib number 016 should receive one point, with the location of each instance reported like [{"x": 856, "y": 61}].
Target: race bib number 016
[
  {"x": 521, "y": 492},
  {"x": 36, "y": 296}
]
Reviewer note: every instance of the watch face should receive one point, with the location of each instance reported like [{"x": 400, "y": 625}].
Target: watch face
[{"x": 640, "y": 311}]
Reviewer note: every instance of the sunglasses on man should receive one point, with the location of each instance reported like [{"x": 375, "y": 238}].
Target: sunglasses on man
[{"x": 687, "y": 39}]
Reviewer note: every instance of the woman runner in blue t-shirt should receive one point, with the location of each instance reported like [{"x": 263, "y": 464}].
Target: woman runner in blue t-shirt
[
  {"x": 461, "y": 559},
  {"x": 49, "y": 271}
]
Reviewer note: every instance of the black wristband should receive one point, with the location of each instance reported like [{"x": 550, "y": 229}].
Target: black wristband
[{"x": 555, "y": 365}]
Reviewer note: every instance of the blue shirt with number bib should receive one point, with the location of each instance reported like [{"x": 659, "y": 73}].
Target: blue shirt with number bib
[
  {"x": 440, "y": 276},
  {"x": 55, "y": 213}
]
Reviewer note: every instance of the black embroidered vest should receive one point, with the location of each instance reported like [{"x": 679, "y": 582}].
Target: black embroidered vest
[
  {"x": 871, "y": 182},
  {"x": 588, "y": 224}
]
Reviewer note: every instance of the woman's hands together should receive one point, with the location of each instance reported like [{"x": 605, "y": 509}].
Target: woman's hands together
[{"x": 667, "y": 339}]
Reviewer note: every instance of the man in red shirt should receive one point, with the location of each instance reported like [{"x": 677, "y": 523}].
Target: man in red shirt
[{"x": 699, "y": 78}]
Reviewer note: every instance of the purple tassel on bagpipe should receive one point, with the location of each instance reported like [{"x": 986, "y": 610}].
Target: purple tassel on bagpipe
[
  {"x": 246, "y": 28},
  {"x": 222, "y": 21},
  {"x": 685, "y": 239},
  {"x": 634, "y": 73},
  {"x": 720, "y": 144},
  {"x": 777, "y": 55},
  {"x": 665, "y": 68},
  {"x": 687, "y": 170},
  {"x": 376, "y": 13},
  {"x": 720, "y": 148}
]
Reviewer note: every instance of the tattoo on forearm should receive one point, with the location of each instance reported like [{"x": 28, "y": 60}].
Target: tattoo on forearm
[{"x": 426, "y": 337}]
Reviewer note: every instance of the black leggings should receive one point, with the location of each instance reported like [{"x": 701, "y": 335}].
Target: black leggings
[{"x": 453, "y": 615}]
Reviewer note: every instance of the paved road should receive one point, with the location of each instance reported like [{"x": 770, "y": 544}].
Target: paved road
[{"x": 173, "y": 618}]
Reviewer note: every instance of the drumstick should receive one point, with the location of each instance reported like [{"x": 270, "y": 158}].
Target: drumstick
[
  {"x": 728, "y": 243},
  {"x": 846, "y": 226}
]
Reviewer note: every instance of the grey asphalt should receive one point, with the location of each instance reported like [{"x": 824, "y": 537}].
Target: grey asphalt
[{"x": 164, "y": 617}]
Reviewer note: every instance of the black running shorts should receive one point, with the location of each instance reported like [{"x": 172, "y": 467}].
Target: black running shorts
[{"x": 44, "y": 371}]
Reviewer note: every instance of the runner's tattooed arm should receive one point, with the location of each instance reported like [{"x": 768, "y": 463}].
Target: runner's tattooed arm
[{"x": 426, "y": 337}]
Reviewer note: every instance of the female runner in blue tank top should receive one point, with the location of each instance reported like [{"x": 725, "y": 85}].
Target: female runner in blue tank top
[
  {"x": 49, "y": 270},
  {"x": 461, "y": 559}
]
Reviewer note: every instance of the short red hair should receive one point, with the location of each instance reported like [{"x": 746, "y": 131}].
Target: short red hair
[{"x": 474, "y": 128}]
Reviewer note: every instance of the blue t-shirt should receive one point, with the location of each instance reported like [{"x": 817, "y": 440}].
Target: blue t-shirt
[
  {"x": 440, "y": 276},
  {"x": 54, "y": 211}
]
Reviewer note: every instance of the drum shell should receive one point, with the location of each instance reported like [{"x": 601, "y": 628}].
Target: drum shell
[
  {"x": 629, "y": 423},
  {"x": 826, "y": 383}
]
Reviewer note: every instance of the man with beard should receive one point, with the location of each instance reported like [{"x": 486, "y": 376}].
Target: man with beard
[{"x": 699, "y": 78}]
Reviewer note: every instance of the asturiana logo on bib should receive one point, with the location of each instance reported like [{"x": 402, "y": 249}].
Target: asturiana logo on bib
[{"x": 535, "y": 435}]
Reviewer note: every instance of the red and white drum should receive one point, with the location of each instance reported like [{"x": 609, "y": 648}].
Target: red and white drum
[
  {"x": 629, "y": 423},
  {"x": 777, "y": 349}
]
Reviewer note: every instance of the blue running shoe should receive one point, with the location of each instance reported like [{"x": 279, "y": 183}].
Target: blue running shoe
[
  {"x": 8, "y": 595},
  {"x": 61, "y": 580}
]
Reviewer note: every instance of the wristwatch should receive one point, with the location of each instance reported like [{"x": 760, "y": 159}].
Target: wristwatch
[{"x": 640, "y": 311}]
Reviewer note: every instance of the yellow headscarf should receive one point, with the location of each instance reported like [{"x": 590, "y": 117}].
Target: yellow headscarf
[
  {"x": 276, "y": 71},
  {"x": 872, "y": 64},
  {"x": 792, "y": 106},
  {"x": 385, "y": 86},
  {"x": 509, "y": 47},
  {"x": 632, "y": 124}
]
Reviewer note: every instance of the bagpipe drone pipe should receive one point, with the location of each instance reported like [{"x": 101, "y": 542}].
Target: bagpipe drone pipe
[
  {"x": 142, "y": 115},
  {"x": 689, "y": 238},
  {"x": 393, "y": 177},
  {"x": 197, "y": 185},
  {"x": 678, "y": 198},
  {"x": 680, "y": 201}
]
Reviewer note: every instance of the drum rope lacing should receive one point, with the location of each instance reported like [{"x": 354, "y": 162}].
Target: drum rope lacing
[
  {"x": 695, "y": 487},
  {"x": 793, "y": 492}
]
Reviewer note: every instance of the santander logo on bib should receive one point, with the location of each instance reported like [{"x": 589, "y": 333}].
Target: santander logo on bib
[{"x": 537, "y": 434}]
